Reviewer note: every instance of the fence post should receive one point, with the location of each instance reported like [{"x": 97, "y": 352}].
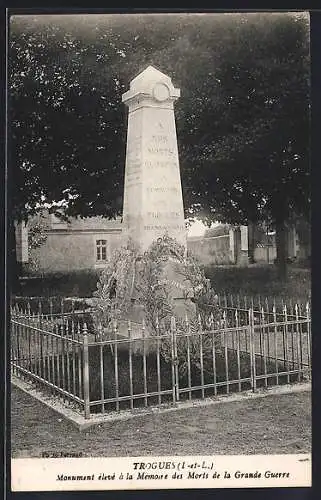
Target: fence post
[
  {"x": 252, "y": 350},
  {"x": 298, "y": 342},
  {"x": 308, "y": 316},
  {"x": 86, "y": 373},
  {"x": 174, "y": 360}
]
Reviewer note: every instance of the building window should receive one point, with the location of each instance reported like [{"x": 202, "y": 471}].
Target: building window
[{"x": 101, "y": 250}]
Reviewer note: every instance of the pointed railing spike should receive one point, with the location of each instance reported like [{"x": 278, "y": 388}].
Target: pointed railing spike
[
  {"x": 129, "y": 328},
  {"x": 100, "y": 331},
  {"x": 307, "y": 309},
  {"x": 72, "y": 327},
  {"x": 236, "y": 319},
  {"x": 262, "y": 315}
]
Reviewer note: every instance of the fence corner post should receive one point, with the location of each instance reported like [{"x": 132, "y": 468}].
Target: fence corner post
[
  {"x": 175, "y": 391},
  {"x": 86, "y": 375},
  {"x": 252, "y": 349}
]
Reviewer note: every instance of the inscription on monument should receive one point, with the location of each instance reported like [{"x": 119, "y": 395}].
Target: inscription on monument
[
  {"x": 153, "y": 193},
  {"x": 160, "y": 164},
  {"x": 158, "y": 215},
  {"x": 165, "y": 227},
  {"x": 161, "y": 151},
  {"x": 161, "y": 189},
  {"x": 160, "y": 139}
]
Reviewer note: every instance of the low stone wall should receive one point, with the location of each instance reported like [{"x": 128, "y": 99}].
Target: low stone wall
[
  {"x": 215, "y": 250},
  {"x": 265, "y": 254}
]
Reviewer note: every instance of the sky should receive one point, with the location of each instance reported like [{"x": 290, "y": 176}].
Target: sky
[{"x": 197, "y": 228}]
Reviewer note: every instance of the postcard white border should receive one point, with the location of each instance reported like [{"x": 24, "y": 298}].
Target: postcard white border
[{"x": 140, "y": 473}]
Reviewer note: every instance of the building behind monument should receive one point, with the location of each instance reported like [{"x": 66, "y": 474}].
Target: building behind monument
[
  {"x": 84, "y": 244},
  {"x": 48, "y": 244}
]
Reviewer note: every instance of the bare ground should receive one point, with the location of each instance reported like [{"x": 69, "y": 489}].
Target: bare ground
[{"x": 270, "y": 425}]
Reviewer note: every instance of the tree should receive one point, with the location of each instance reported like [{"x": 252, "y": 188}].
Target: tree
[
  {"x": 253, "y": 164},
  {"x": 67, "y": 125},
  {"x": 243, "y": 110}
]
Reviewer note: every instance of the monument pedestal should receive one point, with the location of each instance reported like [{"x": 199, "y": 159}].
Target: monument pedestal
[
  {"x": 153, "y": 201},
  {"x": 180, "y": 290}
]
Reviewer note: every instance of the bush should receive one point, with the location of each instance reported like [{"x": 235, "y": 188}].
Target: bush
[
  {"x": 148, "y": 280},
  {"x": 260, "y": 280},
  {"x": 68, "y": 284},
  {"x": 188, "y": 349}
]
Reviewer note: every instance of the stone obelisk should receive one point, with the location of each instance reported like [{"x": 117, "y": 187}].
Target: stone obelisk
[{"x": 153, "y": 202}]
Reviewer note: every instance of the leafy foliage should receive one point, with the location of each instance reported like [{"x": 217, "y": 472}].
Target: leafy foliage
[
  {"x": 115, "y": 288},
  {"x": 259, "y": 138},
  {"x": 36, "y": 232},
  {"x": 244, "y": 109},
  {"x": 198, "y": 344},
  {"x": 242, "y": 121},
  {"x": 37, "y": 236},
  {"x": 142, "y": 279}
]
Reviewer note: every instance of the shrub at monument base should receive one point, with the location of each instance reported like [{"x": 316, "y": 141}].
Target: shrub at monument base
[{"x": 151, "y": 287}]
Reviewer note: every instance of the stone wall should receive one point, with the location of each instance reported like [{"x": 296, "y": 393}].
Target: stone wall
[
  {"x": 209, "y": 251},
  {"x": 265, "y": 254}
]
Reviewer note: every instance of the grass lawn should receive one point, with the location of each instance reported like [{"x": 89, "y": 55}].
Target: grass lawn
[{"x": 272, "y": 424}]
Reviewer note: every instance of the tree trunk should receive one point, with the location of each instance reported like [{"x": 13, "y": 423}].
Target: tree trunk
[
  {"x": 281, "y": 250},
  {"x": 251, "y": 242}
]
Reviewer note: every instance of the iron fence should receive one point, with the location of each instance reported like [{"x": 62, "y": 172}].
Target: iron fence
[
  {"x": 59, "y": 305},
  {"x": 126, "y": 365}
]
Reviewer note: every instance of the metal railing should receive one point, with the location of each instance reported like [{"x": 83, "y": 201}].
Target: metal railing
[
  {"x": 126, "y": 365},
  {"x": 259, "y": 302}
]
